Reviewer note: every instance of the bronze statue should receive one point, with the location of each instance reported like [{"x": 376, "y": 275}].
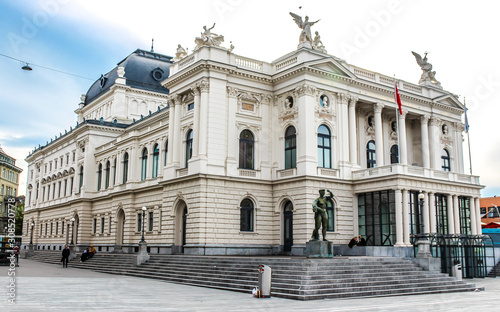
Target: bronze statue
[{"x": 320, "y": 215}]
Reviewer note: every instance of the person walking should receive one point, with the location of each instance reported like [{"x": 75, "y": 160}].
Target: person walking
[
  {"x": 65, "y": 256},
  {"x": 16, "y": 253}
]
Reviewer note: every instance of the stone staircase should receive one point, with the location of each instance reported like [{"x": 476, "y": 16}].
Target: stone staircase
[
  {"x": 294, "y": 278},
  {"x": 495, "y": 271}
]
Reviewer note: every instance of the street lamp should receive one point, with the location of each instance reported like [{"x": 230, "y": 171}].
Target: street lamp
[
  {"x": 31, "y": 237},
  {"x": 143, "y": 216},
  {"x": 421, "y": 197},
  {"x": 72, "y": 229}
]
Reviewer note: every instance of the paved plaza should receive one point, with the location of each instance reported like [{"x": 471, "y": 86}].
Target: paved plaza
[{"x": 46, "y": 287}]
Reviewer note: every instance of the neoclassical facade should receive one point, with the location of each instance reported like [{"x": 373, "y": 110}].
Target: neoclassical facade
[
  {"x": 227, "y": 154},
  {"x": 9, "y": 186}
]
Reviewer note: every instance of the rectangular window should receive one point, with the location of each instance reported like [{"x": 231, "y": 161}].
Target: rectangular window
[
  {"x": 109, "y": 225},
  {"x": 102, "y": 225},
  {"x": 441, "y": 213},
  {"x": 55, "y": 164},
  {"x": 139, "y": 219},
  {"x": 73, "y": 156},
  {"x": 57, "y": 227},
  {"x": 71, "y": 186},
  {"x": 51, "y": 228},
  {"x": 65, "y": 186},
  {"x": 464, "y": 211},
  {"x": 190, "y": 106},
  {"x": 376, "y": 217},
  {"x": 416, "y": 223},
  {"x": 62, "y": 227},
  {"x": 150, "y": 223},
  {"x": 94, "y": 228}
]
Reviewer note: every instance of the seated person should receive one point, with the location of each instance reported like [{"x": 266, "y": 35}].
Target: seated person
[
  {"x": 91, "y": 251},
  {"x": 362, "y": 241},
  {"x": 85, "y": 255},
  {"x": 353, "y": 242}
]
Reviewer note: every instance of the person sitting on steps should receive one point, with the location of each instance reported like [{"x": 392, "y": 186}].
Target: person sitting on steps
[
  {"x": 361, "y": 241},
  {"x": 353, "y": 242},
  {"x": 85, "y": 255},
  {"x": 91, "y": 251}
]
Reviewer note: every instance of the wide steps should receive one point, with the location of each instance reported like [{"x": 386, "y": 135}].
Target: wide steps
[{"x": 295, "y": 278}]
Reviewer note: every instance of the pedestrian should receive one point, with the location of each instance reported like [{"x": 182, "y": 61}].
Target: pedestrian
[
  {"x": 353, "y": 242},
  {"x": 16, "y": 253},
  {"x": 65, "y": 256}
]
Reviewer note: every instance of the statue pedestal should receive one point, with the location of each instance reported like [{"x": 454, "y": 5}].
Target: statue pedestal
[
  {"x": 319, "y": 249},
  {"x": 143, "y": 255}
]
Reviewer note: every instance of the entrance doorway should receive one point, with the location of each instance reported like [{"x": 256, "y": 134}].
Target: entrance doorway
[
  {"x": 180, "y": 227},
  {"x": 288, "y": 227},
  {"x": 120, "y": 226}
]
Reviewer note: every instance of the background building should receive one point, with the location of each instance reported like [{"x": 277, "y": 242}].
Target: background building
[
  {"x": 9, "y": 185},
  {"x": 227, "y": 154}
]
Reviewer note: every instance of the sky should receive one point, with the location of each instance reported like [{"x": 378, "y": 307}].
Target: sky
[{"x": 88, "y": 38}]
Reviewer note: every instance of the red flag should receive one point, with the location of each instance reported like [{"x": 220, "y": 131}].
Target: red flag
[{"x": 397, "y": 98}]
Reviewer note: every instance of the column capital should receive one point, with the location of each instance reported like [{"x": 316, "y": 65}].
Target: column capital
[
  {"x": 424, "y": 119},
  {"x": 353, "y": 101},
  {"x": 232, "y": 91},
  {"x": 195, "y": 89},
  {"x": 403, "y": 113},
  {"x": 203, "y": 85},
  {"x": 434, "y": 121},
  {"x": 343, "y": 98},
  {"x": 305, "y": 89},
  {"x": 377, "y": 107}
]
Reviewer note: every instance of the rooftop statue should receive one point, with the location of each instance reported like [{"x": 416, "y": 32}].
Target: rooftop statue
[
  {"x": 317, "y": 44},
  {"x": 208, "y": 38},
  {"x": 428, "y": 76},
  {"x": 305, "y": 35},
  {"x": 181, "y": 53}
]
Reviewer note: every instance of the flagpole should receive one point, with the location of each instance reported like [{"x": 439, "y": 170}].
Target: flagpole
[{"x": 468, "y": 136}]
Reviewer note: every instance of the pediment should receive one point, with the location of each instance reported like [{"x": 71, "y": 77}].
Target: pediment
[
  {"x": 449, "y": 100},
  {"x": 331, "y": 66}
]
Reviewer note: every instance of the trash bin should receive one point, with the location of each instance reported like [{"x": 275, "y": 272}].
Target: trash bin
[
  {"x": 264, "y": 281},
  {"x": 457, "y": 271}
]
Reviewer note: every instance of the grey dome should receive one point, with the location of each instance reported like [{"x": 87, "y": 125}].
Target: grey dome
[{"x": 143, "y": 70}]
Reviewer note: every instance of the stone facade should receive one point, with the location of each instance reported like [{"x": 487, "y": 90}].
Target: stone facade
[
  {"x": 179, "y": 151},
  {"x": 9, "y": 186}
]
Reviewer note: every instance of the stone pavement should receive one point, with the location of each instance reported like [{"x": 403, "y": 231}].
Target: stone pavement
[{"x": 47, "y": 287}]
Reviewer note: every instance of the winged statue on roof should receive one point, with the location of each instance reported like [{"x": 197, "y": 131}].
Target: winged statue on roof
[
  {"x": 208, "y": 38},
  {"x": 428, "y": 76},
  {"x": 305, "y": 25}
]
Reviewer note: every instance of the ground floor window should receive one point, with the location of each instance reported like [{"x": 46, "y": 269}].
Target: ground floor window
[
  {"x": 330, "y": 211},
  {"x": 441, "y": 213},
  {"x": 376, "y": 215},
  {"x": 464, "y": 211},
  {"x": 416, "y": 222}
]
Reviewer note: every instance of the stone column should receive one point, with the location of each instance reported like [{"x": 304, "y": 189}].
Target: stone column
[
  {"x": 204, "y": 88},
  {"x": 459, "y": 152},
  {"x": 232, "y": 135},
  {"x": 399, "y": 219},
  {"x": 406, "y": 218},
  {"x": 149, "y": 164},
  {"x": 456, "y": 214},
  {"x": 432, "y": 213},
  {"x": 171, "y": 125},
  {"x": 435, "y": 153},
  {"x": 177, "y": 140},
  {"x": 353, "y": 151},
  {"x": 306, "y": 132},
  {"x": 134, "y": 161},
  {"x": 451, "y": 218},
  {"x": 119, "y": 168},
  {"x": 196, "y": 122},
  {"x": 403, "y": 160},
  {"x": 103, "y": 176},
  {"x": 478, "y": 216},
  {"x": 425, "y": 214},
  {"x": 473, "y": 221},
  {"x": 344, "y": 128},
  {"x": 379, "y": 142},
  {"x": 424, "y": 133}
]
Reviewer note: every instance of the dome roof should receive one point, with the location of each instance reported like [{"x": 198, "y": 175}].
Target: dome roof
[{"x": 143, "y": 70}]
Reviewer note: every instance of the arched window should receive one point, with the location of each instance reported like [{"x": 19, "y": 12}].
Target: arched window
[
  {"x": 125, "y": 168},
  {"x": 445, "y": 160},
  {"x": 81, "y": 180},
  {"x": 370, "y": 154},
  {"x": 156, "y": 160},
  {"x": 189, "y": 146},
  {"x": 108, "y": 171},
  {"x": 394, "y": 154},
  {"x": 99, "y": 177},
  {"x": 330, "y": 211},
  {"x": 246, "y": 215},
  {"x": 144, "y": 163},
  {"x": 166, "y": 153},
  {"x": 246, "y": 149},
  {"x": 324, "y": 147},
  {"x": 290, "y": 148}
]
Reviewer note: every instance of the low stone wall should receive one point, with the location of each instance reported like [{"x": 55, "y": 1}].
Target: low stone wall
[{"x": 373, "y": 251}]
